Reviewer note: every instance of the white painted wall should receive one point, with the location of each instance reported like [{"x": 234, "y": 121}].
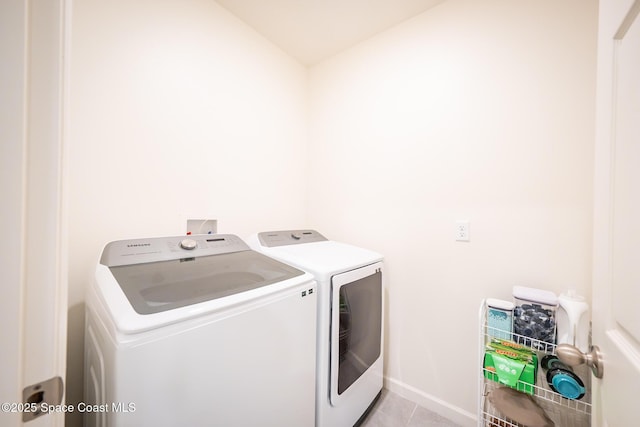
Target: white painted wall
[
  {"x": 176, "y": 109},
  {"x": 473, "y": 110}
]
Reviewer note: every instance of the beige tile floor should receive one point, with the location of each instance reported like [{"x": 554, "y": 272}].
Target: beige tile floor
[{"x": 392, "y": 410}]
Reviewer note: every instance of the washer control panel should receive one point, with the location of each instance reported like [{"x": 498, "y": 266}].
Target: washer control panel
[
  {"x": 139, "y": 251},
  {"x": 271, "y": 239}
]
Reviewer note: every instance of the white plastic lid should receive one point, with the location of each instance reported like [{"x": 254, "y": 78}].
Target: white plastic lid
[
  {"x": 500, "y": 304},
  {"x": 535, "y": 295}
]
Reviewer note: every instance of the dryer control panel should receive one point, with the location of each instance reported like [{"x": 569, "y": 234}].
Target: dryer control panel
[
  {"x": 139, "y": 251},
  {"x": 271, "y": 239}
]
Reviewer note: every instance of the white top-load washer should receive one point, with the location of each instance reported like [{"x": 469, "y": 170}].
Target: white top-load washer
[
  {"x": 198, "y": 331},
  {"x": 350, "y": 327}
]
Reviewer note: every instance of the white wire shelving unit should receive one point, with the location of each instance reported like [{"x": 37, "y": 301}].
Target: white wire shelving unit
[{"x": 564, "y": 412}]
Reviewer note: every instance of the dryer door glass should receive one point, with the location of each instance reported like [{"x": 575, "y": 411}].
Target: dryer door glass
[{"x": 356, "y": 327}]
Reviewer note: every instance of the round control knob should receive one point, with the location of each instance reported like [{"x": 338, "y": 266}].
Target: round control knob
[
  {"x": 296, "y": 236},
  {"x": 188, "y": 244}
]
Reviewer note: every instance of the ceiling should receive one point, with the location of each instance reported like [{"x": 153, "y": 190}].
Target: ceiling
[{"x": 312, "y": 30}]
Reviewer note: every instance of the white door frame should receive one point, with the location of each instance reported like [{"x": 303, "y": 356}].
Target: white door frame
[{"x": 33, "y": 264}]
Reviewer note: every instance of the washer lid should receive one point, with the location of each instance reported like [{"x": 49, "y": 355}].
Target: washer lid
[{"x": 194, "y": 277}]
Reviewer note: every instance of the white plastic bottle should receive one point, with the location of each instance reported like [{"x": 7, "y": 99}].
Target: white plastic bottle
[{"x": 573, "y": 320}]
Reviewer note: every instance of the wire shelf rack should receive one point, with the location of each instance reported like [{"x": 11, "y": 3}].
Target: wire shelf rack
[{"x": 564, "y": 412}]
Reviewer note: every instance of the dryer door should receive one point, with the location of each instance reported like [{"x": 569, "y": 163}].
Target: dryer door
[{"x": 356, "y": 328}]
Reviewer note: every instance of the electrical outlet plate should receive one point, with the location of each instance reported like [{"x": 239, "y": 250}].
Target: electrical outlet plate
[
  {"x": 202, "y": 226},
  {"x": 462, "y": 230}
]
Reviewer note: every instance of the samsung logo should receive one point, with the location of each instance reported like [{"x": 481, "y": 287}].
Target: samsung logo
[{"x": 135, "y": 245}]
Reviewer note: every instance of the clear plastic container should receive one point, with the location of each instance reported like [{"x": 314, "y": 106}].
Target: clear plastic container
[
  {"x": 534, "y": 316},
  {"x": 500, "y": 318}
]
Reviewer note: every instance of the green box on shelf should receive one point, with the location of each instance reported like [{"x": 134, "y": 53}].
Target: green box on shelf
[{"x": 516, "y": 368}]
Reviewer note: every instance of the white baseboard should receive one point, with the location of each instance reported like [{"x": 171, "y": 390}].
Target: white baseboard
[{"x": 432, "y": 403}]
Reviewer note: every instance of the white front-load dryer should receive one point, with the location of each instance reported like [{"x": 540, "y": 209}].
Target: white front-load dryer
[
  {"x": 198, "y": 331},
  {"x": 350, "y": 326}
]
